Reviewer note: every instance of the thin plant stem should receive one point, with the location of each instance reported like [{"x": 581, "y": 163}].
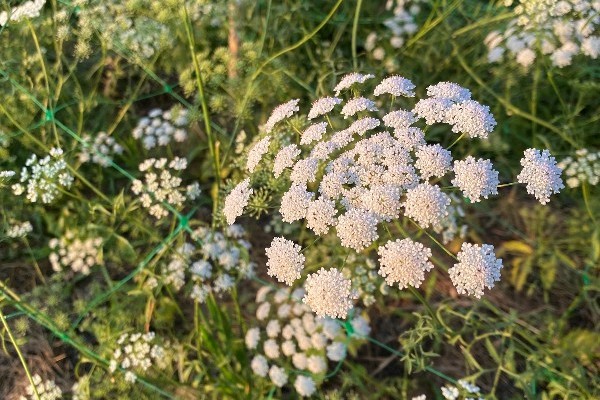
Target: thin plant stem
[
  {"x": 354, "y": 31},
  {"x": 21, "y": 358}
]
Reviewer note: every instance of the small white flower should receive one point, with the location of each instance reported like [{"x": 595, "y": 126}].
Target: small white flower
[
  {"x": 328, "y": 293},
  {"x": 477, "y": 269},
  {"x": 257, "y": 152},
  {"x": 305, "y": 386},
  {"x": 349, "y": 80},
  {"x": 404, "y": 262},
  {"x": 280, "y": 113},
  {"x": 540, "y": 174},
  {"x": 396, "y": 86},
  {"x": 237, "y": 200}
]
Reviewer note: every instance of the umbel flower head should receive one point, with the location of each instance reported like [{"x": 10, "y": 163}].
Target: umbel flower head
[
  {"x": 358, "y": 167},
  {"x": 286, "y": 333},
  {"x": 477, "y": 269},
  {"x": 541, "y": 174},
  {"x": 285, "y": 261}
]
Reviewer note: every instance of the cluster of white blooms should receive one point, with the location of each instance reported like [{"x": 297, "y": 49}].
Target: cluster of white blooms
[
  {"x": 404, "y": 262},
  {"x": 237, "y": 200},
  {"x": 160, "y": 127},
  {"x": 477, "y": 269},
  {"x": 162, "y": 186},
  {"x": 329, "y": 293},
  {"x": 100, "y": 150},
  {"x": 19, "y": 229},
  {"x": 72, "y": 252},
  {"x": 120, "y": 29},
  {"x": 476, "y": 178},
  {"x": 583, "y": 167},
  {"x": 213, "y": 266},
  {"x": 558, "y": 29},
  {"x": 468, "y": 391},
  {"x": 289, "y": 337},
  {"x": 280, "y": 113},
  {"x": 541, "y": 174},
  {"x": 357, "y": 172},
  {"x": 137, "y": 353},
  {"x": 256, "y": 153},
  {"x": 401, "y": 24},
  {"x": 285, "y": 261},
  {"x": 28, "y": 9},
  {"x": 43, "y": 179},
  {"x": 44, "y": 390}
]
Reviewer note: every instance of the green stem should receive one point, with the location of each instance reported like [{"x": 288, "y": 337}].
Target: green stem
[
  {"x": 21, "y": 358},
  {"x": 212, "y": 145},
  {"x": 354, "y": 30}
]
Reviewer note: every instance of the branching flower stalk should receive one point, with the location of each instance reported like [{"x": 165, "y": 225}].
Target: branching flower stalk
[{"x": 360, "y": 177}]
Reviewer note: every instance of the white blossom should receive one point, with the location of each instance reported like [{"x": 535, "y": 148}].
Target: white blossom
[
  {"x": 349, "y": 80},
  {"x": 396, "y": 86},
  {"x": 477, "y": 269},
  {"x": 323, "y": 106},
  {"x": 237, "y": 200},
  {"x": 357, "y": 229},
  {"x": 328, "y": 293},
  {"x": 426, "y": 204},
  {"x": 433, "y": 161},
  {"x": 257, "y": 152},
  {"x": 541, "y": 174},
  {"x": 476, "y": 178},
  {"x": 356, "y": 105},
  {"x": 280, "y": 113},
  {"x": 404, "y": 262},
  {"x": 285, "y": 261}
]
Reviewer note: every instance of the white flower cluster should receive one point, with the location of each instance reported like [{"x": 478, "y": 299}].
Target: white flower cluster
[
  {"x": 541, "y": 174},
  {"x": 70, "y": 251},
  {"x": 212, "y": 267},
  {"x": 477, "y": 269},
  {"x": 43, "y": 179},
  {"x": 285, "y": 261},
  {"x": 160, "y": 127},
  {"x": 137, "y": 353},
  {"x": 468, "y": 390},
  {"x": 28, "y": 9},
  {"x": 162, "y": 186},
  {"x": 44, "y": 390},
  {"x": 401, "y": 25},
  {"x": 583, "y": 167},
  {"x": 101, "y": 149},
  {"x": 120, "y": 29},
  {"x": 289, "y": 337},
  {"x": 558, "y": 29},
  {"x": 19, "y": 229},
  {"x": 355, "y": 175},
  {"x": 404, "y": 262}
]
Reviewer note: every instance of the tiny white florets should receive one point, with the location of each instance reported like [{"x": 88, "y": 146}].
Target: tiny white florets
[
  {"x": 404, "y": 262},
  {"x": 323, "y": 106},
  {"x": 433, "y": 161},
  {"x": 237, "y": 200},
  {"x": 396, "y": 86},
  {"x": 541, "y": 174},
  {"x": 349, "y": 80},
  {"x": 471, "y": 118},
  {"x": 328, "y": 293},
  {"x": 476, "y": 178},
  {"x": 477, "y": 269},
  {"x": 257, "y": 152},
  {"x": 285, "y": 261},
  {"x": 426, "y": 204},
  {"x": 356, "y": 105},
  {"x": 357, "y": 229},
  {"x": 280, "y": 113}
]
